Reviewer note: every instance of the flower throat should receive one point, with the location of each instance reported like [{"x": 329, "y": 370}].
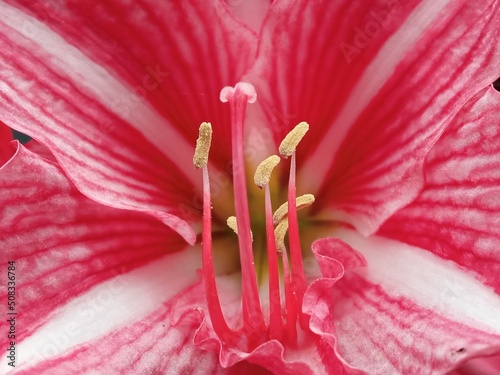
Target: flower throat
[{"x": 283, "y": 317}]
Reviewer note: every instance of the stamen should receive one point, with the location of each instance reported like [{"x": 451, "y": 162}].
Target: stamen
[
  {"x": 298, "y": 277},
  {"x": 290, "y": 301},
  {"x": 292, "y": 139},
  {"x": 263, "y": 173},
  {"x": 301, "y": 202},
  {"x": 280, "y": 233},
  {"x": 262, "y": 177},
  {"x": 214, "y": 307},
  {"x": 275, "y": 321},
  {"x": 200, "y": 158}
]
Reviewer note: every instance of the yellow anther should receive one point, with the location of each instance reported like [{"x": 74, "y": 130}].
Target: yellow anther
[
  {"x": 233, "y": 224},
  {"x": 300, "y": 202},
  {"x": 279, "y": 234},
  {"x": 292, "y": 139},
  {"x": 203, "y": 142},
  {"x": 263, "y": 173}
]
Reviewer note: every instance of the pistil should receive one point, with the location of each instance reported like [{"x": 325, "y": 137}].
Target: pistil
[{"x": 238, "y": 97}]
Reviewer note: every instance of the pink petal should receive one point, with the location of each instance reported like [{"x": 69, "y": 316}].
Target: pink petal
[
  {"x": 409, "y": 311},
  {"x": 137, "y": 337},
  {"x": 62, "y": 242},
  {"x": 479, "y": 366},
  {"x": 332, "y": 251},
  {"x": 334, "y": 257},
  {"x": 151, "y": 345},
  {"x": 457, "y": 216},
  {"x": 117, "y": 92},
  {"x": 41, "y": 150},
  {"x": 376, "y": 112},
  {"x": 250, "y": 12}
]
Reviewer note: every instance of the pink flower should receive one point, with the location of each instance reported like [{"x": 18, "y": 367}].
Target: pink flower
[{"x": 401, "y": 155}]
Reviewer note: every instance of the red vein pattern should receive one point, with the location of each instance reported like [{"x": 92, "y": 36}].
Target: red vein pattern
[
  {"x": 150, "y": 346},
  {"x": 177, "y": 61},
  {"x": 198, "y": 44},
  {"x": 153, "y": 345},
  {"x": 372, "y": 163},
  {"x": 389, "y": 335},
  {"x": 62, "y": 242},
  {"x": 457, "y": 214}
]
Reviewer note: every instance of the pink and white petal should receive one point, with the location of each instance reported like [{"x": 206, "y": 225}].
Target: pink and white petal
[
  {"x": 121, "y": 326},
  {"x": 63, "y": 243},
  {"x": 334, "y": 257},
  {"x": 457, "y": 215},
  {"x": 376, "y": 110},
  {"x": 410, "y": 311},
  {"x": 120, "y": 113},
  {"x": 150, "y": 345},
  {"x": 39, "y": 149},
  {"x": 330, "y": 251}
]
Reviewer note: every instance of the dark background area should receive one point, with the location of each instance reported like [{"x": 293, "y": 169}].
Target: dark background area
[{"x": 23, "y": 138}]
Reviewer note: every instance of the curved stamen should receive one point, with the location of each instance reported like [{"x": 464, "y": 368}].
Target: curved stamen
[
  {"x": 262, "y": 177},
  {"x": 301, "y": 202},
  {"x": 287, "y": 148},
  {"x": 290, "y": 302},
  {"x": 298, "y": 276},
  {"x": 214, "y": 308},
  {"x": 276, "y": 328}
]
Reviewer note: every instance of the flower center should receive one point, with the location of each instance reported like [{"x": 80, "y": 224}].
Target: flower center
[{"x": 286, "y": 272}]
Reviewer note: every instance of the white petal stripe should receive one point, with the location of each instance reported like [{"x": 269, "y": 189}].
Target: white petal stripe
[
  {"x": 373, "y": 78},
  {"x": 109, "y": 306},
  {"x": 95, "y": 79},
  {"x": 431, "y": 282}
]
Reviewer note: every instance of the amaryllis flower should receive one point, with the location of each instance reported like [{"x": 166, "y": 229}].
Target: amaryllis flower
[{"x": 384, "y": 256}]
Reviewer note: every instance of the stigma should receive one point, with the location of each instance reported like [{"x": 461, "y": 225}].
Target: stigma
[{"x": 286, "y": 273}]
